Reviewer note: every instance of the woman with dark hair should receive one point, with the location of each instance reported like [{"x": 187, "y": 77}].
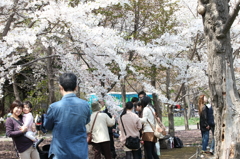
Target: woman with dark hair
[
  {"x": 148, "y": 117},
  {"x": 204, "y": 125},
  {"x": 16, "y": 130},
  {"x": 132, "y": 124}
]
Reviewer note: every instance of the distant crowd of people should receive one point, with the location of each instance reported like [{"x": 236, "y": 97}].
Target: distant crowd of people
[
  {"x": 70, "y": 119},
  {"x": 134, "y": 121}
]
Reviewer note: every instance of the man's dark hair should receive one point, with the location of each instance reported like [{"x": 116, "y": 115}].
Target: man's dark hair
[
  {"x": 142, "y": 92},
  {"x": 68, "y": 81},
  {"x": 134, "y": 99}
]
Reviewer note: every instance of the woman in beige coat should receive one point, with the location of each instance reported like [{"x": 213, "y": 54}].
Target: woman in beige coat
[
  {"x": 100, "y": 135},
  {"x": 132, "y": 125}
]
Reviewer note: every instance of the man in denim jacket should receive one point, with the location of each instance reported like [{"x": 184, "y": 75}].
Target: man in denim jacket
[{"x": 67, "y": 119}]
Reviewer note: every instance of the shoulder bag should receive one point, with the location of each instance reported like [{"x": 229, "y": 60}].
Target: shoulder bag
[
  {"x": 159, "y": 130},
  {"x": 89, "y": 135},
  {"x": 131, "y": 142}
]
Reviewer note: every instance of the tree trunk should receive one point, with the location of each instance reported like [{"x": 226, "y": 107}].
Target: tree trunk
[
  {"x": 78, "y": 92},
  {"x": 154, "y": 95},
  {"x": 123, "y": 92},
  {"x": 184, "y": 108},
  {"x": 50, "y": 75},
  {"x": 2, "y": 108},
  {"x": 15, "y": 89},
  {"x": 216, "y": 21},
  {"x": 171, "y": 130},
  {"x": 157, "y": 105},
  {"x": 189, "y": 110}
]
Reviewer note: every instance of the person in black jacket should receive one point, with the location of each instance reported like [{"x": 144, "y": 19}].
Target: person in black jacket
[
  {"x": 42, "y": 127},
  {"x": 204, "y": 126},
  {"x": 210, "y": 119}
]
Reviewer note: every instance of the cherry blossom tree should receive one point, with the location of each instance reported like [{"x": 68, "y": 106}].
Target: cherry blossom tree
[{"x": 218, "y": 19}]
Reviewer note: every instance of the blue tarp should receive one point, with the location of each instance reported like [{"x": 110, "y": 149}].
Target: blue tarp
[{"x": 92, "y": 97}]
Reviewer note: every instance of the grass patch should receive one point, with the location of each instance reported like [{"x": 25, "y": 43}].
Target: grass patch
[{"x": 179, "y": 121}]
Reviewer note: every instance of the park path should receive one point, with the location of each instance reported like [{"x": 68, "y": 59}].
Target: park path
[{"x": 191, "y": 140}]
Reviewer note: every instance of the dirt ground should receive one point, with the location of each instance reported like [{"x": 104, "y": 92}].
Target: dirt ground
[{"x": 190, "y": 138}]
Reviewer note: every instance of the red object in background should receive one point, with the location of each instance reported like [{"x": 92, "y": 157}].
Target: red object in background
[{"x": 177, "y": 106}]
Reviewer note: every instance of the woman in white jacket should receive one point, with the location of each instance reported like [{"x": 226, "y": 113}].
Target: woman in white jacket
[
  {"x": 100, "y": 135},
  {"x": 148, "y": 133}
]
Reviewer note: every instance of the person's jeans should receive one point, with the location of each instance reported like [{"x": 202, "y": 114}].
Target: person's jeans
[
  {"x": 205, "y": 139},
  {"x": 132, "y": 154},
  {"x": 150, "y": 150},
  {"x": 54, "y": 157},
  {"x": 213, "y": 141},
  {"x": 140, "y": 153}
]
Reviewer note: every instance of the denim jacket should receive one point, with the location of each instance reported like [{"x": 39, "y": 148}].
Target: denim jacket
[{"x": 67, "y": 119}]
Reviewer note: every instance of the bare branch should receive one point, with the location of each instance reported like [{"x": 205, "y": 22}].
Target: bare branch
[
  {"x": 180, "y": 90},
  {"x": 231, "y": 18},
  {"x": 131, "y": 86},
  {"x": 83, "y": 58},
  {"x": 189, "y": 9},
  {"x": 31, "y": 24},
  {"x": 7, "y": 27},
  {"x": 10, "y": 20},
  {"x": 86, "y": 54},
  {"x": 30, "y": 62},
  {"x": 236, "y": 53},
  {"x": 195, "y": 47}
]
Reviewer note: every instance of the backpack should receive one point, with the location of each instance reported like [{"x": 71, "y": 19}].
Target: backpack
[{"x": 177, "y": 142}]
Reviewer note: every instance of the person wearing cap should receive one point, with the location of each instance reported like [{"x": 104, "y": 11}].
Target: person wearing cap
[
  {"x": 100, "y": 135},
  {"x": 111, "y": 130}
]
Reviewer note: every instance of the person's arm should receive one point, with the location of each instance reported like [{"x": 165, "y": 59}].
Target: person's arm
[
  {"x": 88, "y": 128},
  {"x": 121, "y": 131},
  {"x": 120, "y": 124},
  {"x": 110, "y": 121},
  {"x": 204, "y": 118},
  {"x": 11, "y": 130},
  {"x": 139, "y": 124},
  {"x": 49, "y": 119},
  {"x": 144, "y": 116}
]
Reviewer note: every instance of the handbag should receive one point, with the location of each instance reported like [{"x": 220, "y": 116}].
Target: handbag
[
  {"x": 159, "y": 130},
  {"x": 89, "y": 135},
  {"x": 156, "y": 132},
  {"x": 131, "y": 142}
]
